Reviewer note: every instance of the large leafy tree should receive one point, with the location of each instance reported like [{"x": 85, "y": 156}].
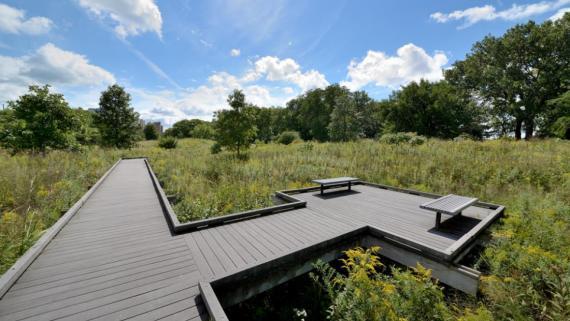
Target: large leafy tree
[
  {"x": 516, "y": 74},
  {"x": 184, "y": 128},
  {"x": 38, "y": 120},
  {"x": 433, "y": 109},
  {"x": 264, "y": 123},
  {"x": 235, "y": 128},
  {"x": 150, "y": 132},
  {"x": 87, "y": 133},
  {"x": 310, "y": 113},
  {"x": 345, "y": 122},
  {"x": 117, "y": 121}
]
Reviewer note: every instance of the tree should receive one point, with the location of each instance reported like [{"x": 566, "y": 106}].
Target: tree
[
  {"x": 264, "y": 123},
  {"x": 203, "y": 131},
  {"x": 87, "y": 133},
  {"x": 38, "y": 120},
  {"x": 434, "y": 110},
  {"x": 310, "y": 113},
  {"x": 235, "y": 128},
  {"x": 557, "y": 121},
  {"x": 345, "y": 124},
  {"x": 183, "y": 128},
  {"x": 117, "y": 121},
  {"x": 150, "y": 132},
  {"x": 516, "y": 74},
  {"x": 368, "y": 114}
]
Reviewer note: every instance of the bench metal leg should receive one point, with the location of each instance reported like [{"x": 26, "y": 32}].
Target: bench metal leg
[
  {"x": 437, "y": 220},
  {"x": 322, "y": 190},
  {"x": 349, "y": 185}
]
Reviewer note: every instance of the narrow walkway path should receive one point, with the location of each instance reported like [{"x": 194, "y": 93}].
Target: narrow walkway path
[{"x": 115, "y": 259}]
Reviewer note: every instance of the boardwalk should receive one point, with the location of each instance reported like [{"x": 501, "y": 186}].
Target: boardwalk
[{"x": 117, "y": 258}]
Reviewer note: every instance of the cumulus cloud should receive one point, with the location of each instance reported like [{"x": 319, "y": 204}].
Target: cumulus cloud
[
  {"x": 14, "y": 21},
  {"x": 275, "y": 69},
  {"x": 201, "y": 102},
  {"x": 559, "y": 14},
  {"x": 235, "y": 52},
  {"x": 49, "y": 65},
  {"x": 411, "y": 63},
  {"x": 474, "y": 15},
  {"x": 131, "y": 17}
]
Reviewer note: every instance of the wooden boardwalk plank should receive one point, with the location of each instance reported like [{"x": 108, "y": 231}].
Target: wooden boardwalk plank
[{"x": 117, "y": 258}]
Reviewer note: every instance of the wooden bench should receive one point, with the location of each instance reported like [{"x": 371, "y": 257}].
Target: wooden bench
[
  {"x": 450, "y": 204},
  {"x": 337, "y": 181}
]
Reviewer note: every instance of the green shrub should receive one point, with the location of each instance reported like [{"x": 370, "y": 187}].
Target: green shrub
[
  {"x": 216, "y": 148},
  {"x": 417, "y": 140},
  {"x": 367, "y": 294},
  {"x": 288, "y": 137},
  {"x": 401, "y": 138},
  {"x": 167, "y": 142}
]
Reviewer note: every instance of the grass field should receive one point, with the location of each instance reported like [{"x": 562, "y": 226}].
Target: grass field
[{"x": 528, "y": 260}]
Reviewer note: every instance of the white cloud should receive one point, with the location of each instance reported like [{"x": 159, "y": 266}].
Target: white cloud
[
  {"x": 206, "y": 44},
  {"x": 235, "y": 52},
  {"x": 275, "y": 69},
  {"x": 132, "y": 17},
  {"x": 411, "y": 63},
  {"x": 13, "y": 20},
  {"x": 49, "y": 65},
  {"x": 559, "y": 14},
  {"x": 201, "y": 102},
  {"x": 474, "y": 15}
]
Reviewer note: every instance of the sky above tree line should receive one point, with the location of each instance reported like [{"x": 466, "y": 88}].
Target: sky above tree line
[{"x": 181, "y": 58}]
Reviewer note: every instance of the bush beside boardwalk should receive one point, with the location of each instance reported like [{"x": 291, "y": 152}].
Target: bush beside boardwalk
[{"x": 528, "y": 260}]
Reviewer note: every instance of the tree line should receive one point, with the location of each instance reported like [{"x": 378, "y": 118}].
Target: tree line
[
  {"x": 506, "y": 86},
  {"x": 509, "y": 85}
]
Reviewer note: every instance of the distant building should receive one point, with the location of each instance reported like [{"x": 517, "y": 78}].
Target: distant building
[
  {"x": 141, "y": 123},
  {"x": 93, "y": 110}
]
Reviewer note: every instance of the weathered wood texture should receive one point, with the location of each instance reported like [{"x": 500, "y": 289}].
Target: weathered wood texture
[{"x": 117, "y": 258}]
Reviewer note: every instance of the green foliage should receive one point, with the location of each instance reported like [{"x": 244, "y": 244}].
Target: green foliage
[
  {"x": 517, "y": 73},
  {"x": 216, "y": 148},
  {"x": 38, "y": 120},
  {"x": 204, "y": 130},
  {"x": 117, "y": 121},
  {"x": 168, "y": 142},
  {"x": 87, "y": 133},
  {"x": 558, "y": 117},
  {"x": 288, "y": 137},
  {"x": 344, "y": 125},
  {"x": 366, "y": 294},
  {"x": 433, "y": 110},
  {"x": 235, "y": 128},
  {"x": 561, "y": 127},
  {"x": 403, "y": 138},
  {"x": 150, "y": 132},
  {"x": 184, "y": 128}
]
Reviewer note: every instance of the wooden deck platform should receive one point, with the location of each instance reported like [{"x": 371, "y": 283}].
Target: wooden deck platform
[{"x": 117, "y": 258}]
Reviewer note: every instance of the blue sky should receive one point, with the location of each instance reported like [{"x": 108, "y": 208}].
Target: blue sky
[{"x": 180, "y": 58}]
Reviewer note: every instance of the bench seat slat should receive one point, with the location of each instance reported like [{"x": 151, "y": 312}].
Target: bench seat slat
[{"x": 450, "y": 204}]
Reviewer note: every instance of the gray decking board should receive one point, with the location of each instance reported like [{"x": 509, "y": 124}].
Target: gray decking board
[
  {"x": 117, "y": 251},
  {"x": 117, "y": 258}
]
